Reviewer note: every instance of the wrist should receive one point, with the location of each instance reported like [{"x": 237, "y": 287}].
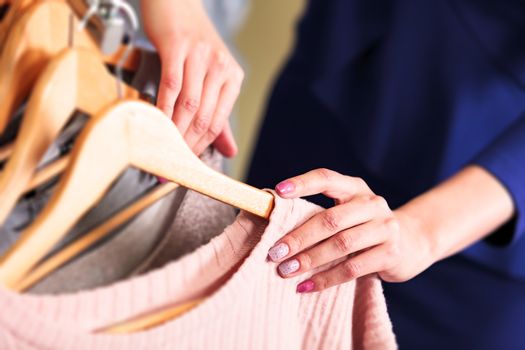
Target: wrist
[
  {"x": 458, "y": 212},
  {"x": 420, "y": 235},
  {"x": 183, "y": 17}
]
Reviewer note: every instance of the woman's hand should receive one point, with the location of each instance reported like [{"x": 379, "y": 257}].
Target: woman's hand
[
  {"x": 370, "y": 238},
  {"x": 361, "y": 229},
  {"x": 200, "y": 79}
]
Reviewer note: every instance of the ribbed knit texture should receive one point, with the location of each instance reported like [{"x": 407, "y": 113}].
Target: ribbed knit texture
[{"x": 249, "y": 305}]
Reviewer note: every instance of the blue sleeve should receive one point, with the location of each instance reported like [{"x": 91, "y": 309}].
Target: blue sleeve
[{"x": 505, "y": 159}]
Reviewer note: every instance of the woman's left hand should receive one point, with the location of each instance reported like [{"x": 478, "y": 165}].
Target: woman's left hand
[{"x": 360, "y": 227}]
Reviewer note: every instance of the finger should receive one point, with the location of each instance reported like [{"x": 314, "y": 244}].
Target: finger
[
  {"x": 225, "y": 143},
  {"x": 370, "y": 261},
  {"x": 327, "y": 223},
  {"x": 170, "y": 85},
  {"x": 205, "y": 124},
  {"x": 325, "y": 181},
  {"x": 188, "y": 101},
  {"x": 227, "y": 98},
  {"x": 340, "y": 245}
]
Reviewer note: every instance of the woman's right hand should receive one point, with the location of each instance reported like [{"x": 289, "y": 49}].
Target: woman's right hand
[{"x": 200, "y": 79}]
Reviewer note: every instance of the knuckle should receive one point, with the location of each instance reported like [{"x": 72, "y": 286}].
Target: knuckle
[
  {"x": 344, "y": 243},
  {"x": 295, "y": 242},
  {"x": 320, "y": 283},
  {"x": 214, "y": 130},
  {"x": 330, "y": 220},
  {"x": 298, "y": 182},
  {"x": 379, "y": 201},
  {"x": 369, "y": 197},
  {"x": 171, "y": 82},
  {"x": 166, "y": 108},
  {"x": 305, "y": 260},
  {"x": 201, "y": 124},
  {"x": 221, "y": 113},
  {"x": 221, "y": 60},
  {"x": 392, "y": 225},
  {"x": 326, "y": 174},
  {"x": 365, "y": 199},
  {"x": 201, "y": 49},
  {"x": 360, "y": 183},
  {"x": 239, "y": 73},
  {"x": 191, "y": 105},
  {"x": 390, "y": 256},
  {"x": 351, "y": 269}
]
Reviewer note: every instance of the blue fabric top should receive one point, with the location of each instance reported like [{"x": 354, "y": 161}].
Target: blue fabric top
[{"x": 405, "y": 93}]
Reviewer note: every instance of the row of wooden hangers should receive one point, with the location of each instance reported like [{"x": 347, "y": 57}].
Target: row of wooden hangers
[{"x": 58, "y": 75}]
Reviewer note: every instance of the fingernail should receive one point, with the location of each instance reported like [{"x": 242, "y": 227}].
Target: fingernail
[
  {"x": 161, "y": 180},
  {"x": 285, "y": 187},
  {"x": 305, "y": 287},
  {"x": 278, "y": 251},
  {"x": 289, "y": 267}
]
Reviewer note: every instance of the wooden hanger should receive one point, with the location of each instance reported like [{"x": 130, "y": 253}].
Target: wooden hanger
[
  {"x": 76, "y": 79},
  {"x": 78, "y": 246},
  {"x": 150, "y": 320},
  {"x": 13, "y": 12},
  {"x": 135, "y": 324},
  {"x": 41, "y": 32},
  {"x": 130, "y": 133}
]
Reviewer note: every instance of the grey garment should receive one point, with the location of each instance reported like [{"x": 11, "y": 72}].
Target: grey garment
[
  {"x": 172, "y": 227},
  {"x": 198, "y": 220},
  {"x": 118, "y": 256}
]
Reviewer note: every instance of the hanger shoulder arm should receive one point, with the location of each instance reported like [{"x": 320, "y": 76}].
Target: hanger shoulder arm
[
  {"x": 74, "y": 79},
  {"x": 157, "y": 147},
  {"x": 81, "y": 186}
]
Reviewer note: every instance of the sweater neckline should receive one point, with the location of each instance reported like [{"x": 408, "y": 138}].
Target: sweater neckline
[{"x": 16, "y": 312}]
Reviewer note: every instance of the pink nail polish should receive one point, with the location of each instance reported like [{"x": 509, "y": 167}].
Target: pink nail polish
[
  {"x": 289, "y": 267},
  {"x": 285, "y": 187},
  {"x": 278, "y": 252},
  {"x": 306, "y": 286}
]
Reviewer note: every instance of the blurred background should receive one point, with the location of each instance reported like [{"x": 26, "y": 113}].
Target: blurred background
[{"x": 263, "y": 42}]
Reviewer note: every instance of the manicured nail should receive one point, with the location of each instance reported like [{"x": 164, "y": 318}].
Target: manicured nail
[
  {"x": 278, "y": 251},
  {"x": 289, "y": 267},
  {"x": 306, "y": 286},
  {"x": 285, "y": 187},
  {"x": 162, "y": 180}
]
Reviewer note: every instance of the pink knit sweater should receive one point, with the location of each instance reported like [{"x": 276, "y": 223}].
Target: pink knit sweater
[{"x": 249, "y": 306}]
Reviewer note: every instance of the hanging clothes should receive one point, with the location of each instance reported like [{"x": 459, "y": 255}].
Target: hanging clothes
[
  {"x": 172, "y": 227},
  {"x": 248, "y": 306},
  {"x": 165, "y": 231}
]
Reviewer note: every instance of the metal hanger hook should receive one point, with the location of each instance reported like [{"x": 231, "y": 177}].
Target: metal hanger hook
[
  {"x": 92, "y": 10},
  {"x": 132, "y": 30},
  {"x": 95, "y": 7}
]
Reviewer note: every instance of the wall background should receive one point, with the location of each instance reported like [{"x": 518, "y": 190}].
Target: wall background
[{"x": 263, "y": 42}]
